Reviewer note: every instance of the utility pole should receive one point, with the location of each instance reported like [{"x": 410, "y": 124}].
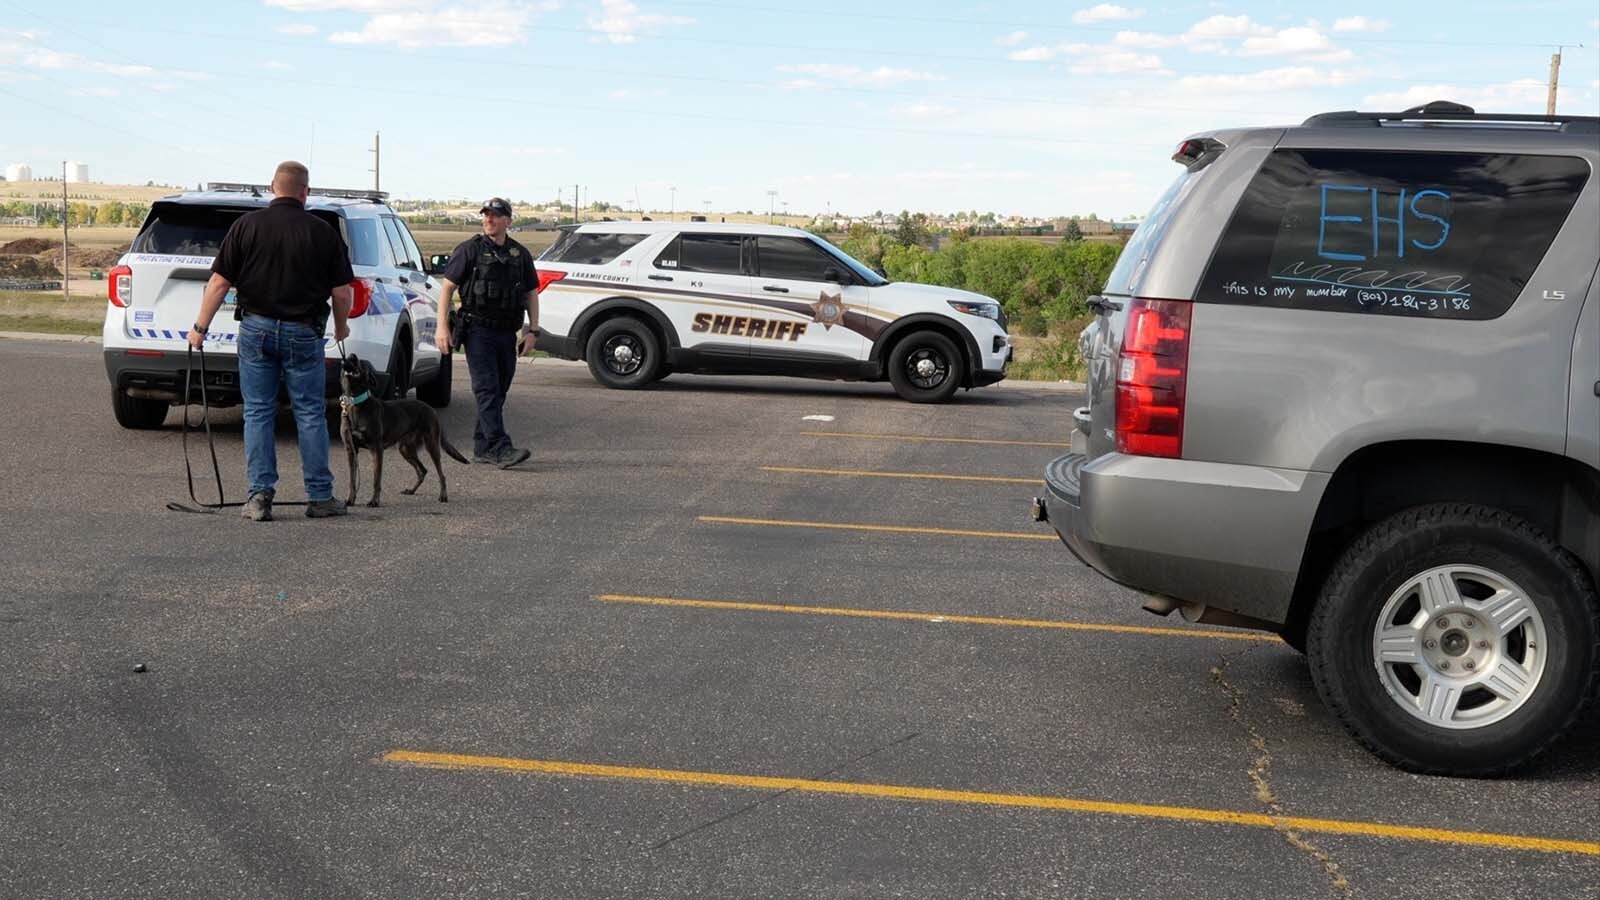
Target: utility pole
[
  {"x": 574, "y": 204},
  {"x": 66, "y": 268},
  {"x": 771, "y": 196},
  {"x": 672, "y": 208},
  {"x": 375, "y": 162},
  {"x": 1555, "y": 78}
]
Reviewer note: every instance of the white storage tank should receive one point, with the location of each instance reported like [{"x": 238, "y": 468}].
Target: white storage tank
[
  {"x": 19, "y": 172},
  {"x": 78, "y": 173}
]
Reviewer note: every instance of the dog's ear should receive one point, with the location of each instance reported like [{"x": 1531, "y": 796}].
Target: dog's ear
[
  {"x": 352, "y": 363},
  {"x": 367, "y": 371}
]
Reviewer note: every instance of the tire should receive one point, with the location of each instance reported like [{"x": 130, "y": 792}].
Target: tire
[
  {"x": 436, "y": 393},
  {"x": 623, "y": 353},
  {"x": 397, "y": 383},
  {"x": 925, "y": 367},
  {"x": 1489, "y": 633},
  {"x": 138, "y": 413}
]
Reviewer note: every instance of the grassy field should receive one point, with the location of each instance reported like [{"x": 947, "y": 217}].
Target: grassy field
[{"x": 50, "y": 314}]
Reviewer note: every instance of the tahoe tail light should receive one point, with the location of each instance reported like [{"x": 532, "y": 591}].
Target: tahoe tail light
[
  {"x": 548, "y": 277},
  {"x": 363, "y": 297},
  {"x": 119, "y": 286},
  {"x": 1152, "y": 375}
]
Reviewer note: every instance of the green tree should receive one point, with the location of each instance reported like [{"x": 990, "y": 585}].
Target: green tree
[{"x": 1074, "y": 233}]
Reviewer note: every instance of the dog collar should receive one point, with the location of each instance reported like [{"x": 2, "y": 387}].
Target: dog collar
[{"x": 348, "y": 402}]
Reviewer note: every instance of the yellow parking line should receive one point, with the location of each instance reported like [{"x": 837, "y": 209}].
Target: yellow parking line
[
  {"x": 796, "y": 470},
  {"x": 1062, "y": 804},
  {"x": 901, "y": 529},
  {"x": 937, "y": 618},
  {"x": 936, "y": 440}
]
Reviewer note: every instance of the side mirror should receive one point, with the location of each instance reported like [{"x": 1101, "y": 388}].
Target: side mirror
[{"x": 437, "y": 263}]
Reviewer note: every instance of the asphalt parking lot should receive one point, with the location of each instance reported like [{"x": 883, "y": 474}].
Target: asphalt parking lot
[{"x": 701, "y": 646}]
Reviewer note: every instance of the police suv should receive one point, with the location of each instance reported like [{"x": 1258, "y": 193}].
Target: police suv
[
  {"x": 155, "y": 290},
  {"x": 640, "y": 300}
]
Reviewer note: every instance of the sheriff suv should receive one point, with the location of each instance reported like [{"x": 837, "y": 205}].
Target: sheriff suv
[
  {"x": 154, "y": 295},
  {"x": 639, "y": 301},
  {"x": 1344, "y": 384}
]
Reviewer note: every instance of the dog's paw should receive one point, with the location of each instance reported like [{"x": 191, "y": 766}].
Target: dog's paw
[
  {"x": 443, "y": 499},
  {"x": 373, "y": 503}
]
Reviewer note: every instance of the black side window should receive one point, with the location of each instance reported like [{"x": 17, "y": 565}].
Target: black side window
[
  {"x": 593, "y": 248},
  {"x": 1444, "y": 235},
  {"x": 402, "y": 256},
  {"x": 363, "y": 236},
  {"x": 792, "y": 258},
  {"x": 716, "y": 254}
]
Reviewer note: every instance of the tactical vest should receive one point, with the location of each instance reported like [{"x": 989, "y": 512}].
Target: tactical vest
[{"x": 495, "y": 291}]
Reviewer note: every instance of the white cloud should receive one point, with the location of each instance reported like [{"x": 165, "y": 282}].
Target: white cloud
[
  {"x": 1525, "y": 95},
  {"x": 1288, "y": 78},
  {"x": 925, "y": 110},
  {"x": 1012, "y": 39},
  {"x": 1360, "y": 23},
  {"x": 1303, "y": 41},
  {"x": 621, "y": 22},
  {"x": 1105, "y": 12},
  {"x": 1227, "y": 27},
  {"x": 854, "y": 75},
  {"x": 376, "y": 7},
  {"x": 1096, "y": 59},
  {"x": 490, "y": 24},
  {"x": 299, "y": 29},
  {"x": 277, "y": 65}
]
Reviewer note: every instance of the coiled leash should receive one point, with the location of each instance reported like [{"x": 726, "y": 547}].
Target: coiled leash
[{"x": 201, "y": 506}]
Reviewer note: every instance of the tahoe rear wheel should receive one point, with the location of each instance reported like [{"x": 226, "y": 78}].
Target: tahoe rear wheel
[
  {"x": 134, "y": 412},
  {"x": 436, "y": 393},
  {"x": 623, "y": 353},
  {"x": 925, "y": 367},
  {"x": 1456, "y": 640}
]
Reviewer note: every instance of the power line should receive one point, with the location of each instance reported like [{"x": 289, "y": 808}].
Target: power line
[{"x": 1055, "y": 26}]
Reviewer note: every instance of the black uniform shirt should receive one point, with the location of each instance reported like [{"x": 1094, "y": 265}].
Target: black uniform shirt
[
  {"x": 284, "y": 261},
  {"x": 465, "y": 259}
]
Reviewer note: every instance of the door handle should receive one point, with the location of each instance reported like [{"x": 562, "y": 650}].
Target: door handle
[
  {"x": 660, "y": 277},
  {"x": 775, "y": 289},
  {"x": 404, "y": 280}
]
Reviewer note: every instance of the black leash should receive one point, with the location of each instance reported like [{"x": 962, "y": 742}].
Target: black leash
[{"x": 201, "y": 506}]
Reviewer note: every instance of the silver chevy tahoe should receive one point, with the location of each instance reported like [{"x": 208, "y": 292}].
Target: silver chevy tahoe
[{"x": 1344, "y": 385}]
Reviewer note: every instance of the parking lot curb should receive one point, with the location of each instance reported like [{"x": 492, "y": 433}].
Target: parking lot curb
[{"x": 46, "y": 336}]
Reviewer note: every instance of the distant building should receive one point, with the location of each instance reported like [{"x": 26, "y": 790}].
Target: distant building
[
  {"x": 19, "y": 172},
  {"x": 77, "y": 173}
]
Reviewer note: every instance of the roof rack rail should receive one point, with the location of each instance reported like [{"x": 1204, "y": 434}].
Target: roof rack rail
[
  {"x": 259, "y": 190},
  {"x": 1446, "y": 111}
]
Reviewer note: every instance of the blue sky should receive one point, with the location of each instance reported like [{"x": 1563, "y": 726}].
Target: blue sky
[{"x": 1031, "y": 108}]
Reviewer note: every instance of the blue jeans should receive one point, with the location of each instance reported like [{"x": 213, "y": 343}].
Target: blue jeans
[
  {"x": 288, "y": 354},
  {"x": 491, "y": 362}
]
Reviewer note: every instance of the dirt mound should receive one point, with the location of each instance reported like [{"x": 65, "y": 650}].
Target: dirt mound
[
  {"x": 27, "y": 267},
  {"x": 95, "y": 259},
  {"x": 29, "y": 246}
]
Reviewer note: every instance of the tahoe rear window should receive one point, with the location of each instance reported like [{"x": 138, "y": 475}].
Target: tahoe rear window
[{"x": 1446, "y": 235}]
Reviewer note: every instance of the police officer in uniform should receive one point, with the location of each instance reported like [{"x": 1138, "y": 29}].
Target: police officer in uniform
[{"x": 499, "y": 287}]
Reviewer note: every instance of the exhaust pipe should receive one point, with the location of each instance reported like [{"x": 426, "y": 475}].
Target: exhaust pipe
[{"x": 1201, "y": 614}]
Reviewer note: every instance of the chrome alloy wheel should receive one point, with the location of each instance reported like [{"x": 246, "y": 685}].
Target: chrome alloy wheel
[
  {"x": 622, "y": 354},
  {"x": 1460, "y": 647},
  {"x": 927, "y": 368}
]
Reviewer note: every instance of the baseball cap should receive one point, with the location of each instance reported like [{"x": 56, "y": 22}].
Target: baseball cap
[{"x": 497, "y": 206}]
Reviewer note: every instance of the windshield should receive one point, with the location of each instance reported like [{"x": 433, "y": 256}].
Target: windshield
[{"x": 867, "y": 276}]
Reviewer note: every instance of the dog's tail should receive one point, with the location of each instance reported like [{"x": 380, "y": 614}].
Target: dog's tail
[{"x": 454, "y": 453}]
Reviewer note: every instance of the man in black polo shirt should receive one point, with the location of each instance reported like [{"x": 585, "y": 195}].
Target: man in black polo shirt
[
  {"x": 498, "y": 286},
  {"x": 286, "y": 263}
]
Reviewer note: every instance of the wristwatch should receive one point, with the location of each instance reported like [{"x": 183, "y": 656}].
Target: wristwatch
[{"x": 199, "y": 329}]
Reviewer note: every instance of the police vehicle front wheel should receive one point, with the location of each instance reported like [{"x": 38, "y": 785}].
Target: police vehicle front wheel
[
  {"x": 436, "y": 393},
  {"x": 623, "y": 353},
  {"x": 925, "y": 367}
]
